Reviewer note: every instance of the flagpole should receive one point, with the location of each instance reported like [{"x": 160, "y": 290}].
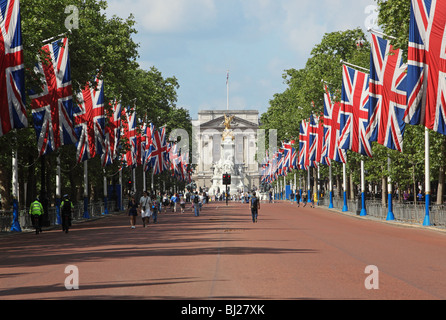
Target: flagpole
[
  {"x": 390, "y": 215},
  {"x": 363, "y": 209},
  {"x": 354, "y": 66},
  {"x": 426, "y": 221},
  {"x": 58, "y": 189},
  {"x": 295, "y": 187},
  {"x": 227, "y": 91},
  {"x": 330, "y": 186},
  {"x": 300, "y": 189},
  {"x": 380, "y": 33},
  {"x": 134, "y": 180},
  {"x": 105, "y": 193},
  {"x": 121, "y": 204},
  {"x": 15, "y": 227},
  {"x": 318, "y": 183},
  {"x": 344, "y": 176},
  {"x": 86, "y": 214},
  {"x": 309, "y": 185}
]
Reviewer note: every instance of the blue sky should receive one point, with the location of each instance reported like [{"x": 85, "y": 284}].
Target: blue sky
[{"x": 197, "y": 41}]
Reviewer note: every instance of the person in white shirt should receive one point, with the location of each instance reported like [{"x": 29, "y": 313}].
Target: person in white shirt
[{"x": 145, "y": 204}]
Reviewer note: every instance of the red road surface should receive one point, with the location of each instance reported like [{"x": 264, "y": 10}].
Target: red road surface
[{"x": 291, "y": 253}]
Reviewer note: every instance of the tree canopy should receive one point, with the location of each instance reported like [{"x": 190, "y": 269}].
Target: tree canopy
[{"x": 97, "y": 45}]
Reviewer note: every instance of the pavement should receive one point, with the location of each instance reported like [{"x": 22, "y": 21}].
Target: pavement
[{"x": 291, "y": 253}]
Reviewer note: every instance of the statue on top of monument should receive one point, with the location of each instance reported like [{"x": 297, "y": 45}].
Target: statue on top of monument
[{"x": 227, "y": 123}]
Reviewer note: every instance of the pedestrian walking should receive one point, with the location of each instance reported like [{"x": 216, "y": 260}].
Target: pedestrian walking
[
  {"x": 304, "y": 198},
  {"x": 36, "y": 212},
  {"x": 165, "y": 202},
  {"x": 145, "y": 204},
  {"x": 196, "y": 202},
  {"x": 66, "y": 210},
  {"x": 132, "y": 211},
  {"x": 182, "y": 204},
  {"x": 255, "y": 206},
  {"x": 155, "y": 208}
]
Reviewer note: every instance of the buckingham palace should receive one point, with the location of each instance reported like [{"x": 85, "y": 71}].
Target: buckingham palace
[{"x": 208, "y": 139}]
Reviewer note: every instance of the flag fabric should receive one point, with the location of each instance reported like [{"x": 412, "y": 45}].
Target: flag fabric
[
  {"x": 289, "y": 155},
  {"x": 304, "y": 161},
  {"x": 175, "y": 160},
  {"x": 131, "y": 135},
  {"x": 426, "y": 72},
  {"x": 89, "y": 120},
  {"x": 387, "y": 94},
  {"x": 12, "y": 72},
  {"x": 112, "y": 135},
  {"x": 332, "y": 126},
  {"x": 320, "y": 143},
  {"x": 53, "y": 108},
  {"x": 312, "y": 140},
  {"x": 159, "y": 151},
  {"x": 354, "y": 111},
  {"x": 149, "y": 130}
]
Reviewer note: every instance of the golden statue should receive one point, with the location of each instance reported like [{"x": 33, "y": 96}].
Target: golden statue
[{"x": 227, "y": 123}]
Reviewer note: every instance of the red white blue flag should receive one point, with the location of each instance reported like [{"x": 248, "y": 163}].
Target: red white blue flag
[
  {"x": 131, "y": 135},
  {"x": 321, "y": 147},
  {"x": 112, "y": 135},
  {"x": 304, "y": 138},
  {"x": 89, "y": 119},
  {"x": 12, "y": 77},
  {"x": 354, "y": 111},
  {"x": 426, "y": 72},
  {"x": 148, "y": 131},
  {"x": 332, "y": 126},
  {"x": 387, "y": 94},
  {"x": 159, "y": 151},
  {"x": 53, "y": 108}
]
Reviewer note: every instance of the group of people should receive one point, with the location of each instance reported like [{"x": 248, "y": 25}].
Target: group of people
[
  {"x": 36, "y": 212},
  {"x": 150, "y": 205}
]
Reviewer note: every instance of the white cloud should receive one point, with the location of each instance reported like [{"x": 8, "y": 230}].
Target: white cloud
[{"x": 166, "y": 16}]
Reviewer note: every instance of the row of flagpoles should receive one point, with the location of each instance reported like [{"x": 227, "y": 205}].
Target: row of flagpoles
[
  {"x": 59, "y": 121},
  {"x": 377, "y": 106}
]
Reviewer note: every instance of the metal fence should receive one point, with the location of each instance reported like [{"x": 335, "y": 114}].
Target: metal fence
[
  {"x": 95, "y": 209},
  {"x": 405, "y": 212}
]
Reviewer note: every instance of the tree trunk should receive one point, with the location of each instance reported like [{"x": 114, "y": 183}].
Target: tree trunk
[{"x": 383, "y": 191}]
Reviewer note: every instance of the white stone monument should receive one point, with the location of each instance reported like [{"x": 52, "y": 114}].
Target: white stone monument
[{"x": 227, "y": 164}]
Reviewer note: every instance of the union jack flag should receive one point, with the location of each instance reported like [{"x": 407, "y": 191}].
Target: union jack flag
[
  {"x": 426, "y": 73},
  {"x": 355, "y": 111},
  {"x": 147, "y": 163},
  {"x": 12, "y": 77},
  {"x": 304, "y": 137},
  {"x": 112, "y": 135},
  {"x": 53, "y": 108},
  {"x": 312, "y": 144},
  {"x": 175, "y": 160},
  {"x": 289, "y": 155},
  {"x": 131, "y": 135},
  {"x": 387, "y": 94},
  {"x": 320, "y": 143},
  {"x": 159, "y": 151},
  {"x": 89, "y": 120},
  {"x": 332, "y": 126}
]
